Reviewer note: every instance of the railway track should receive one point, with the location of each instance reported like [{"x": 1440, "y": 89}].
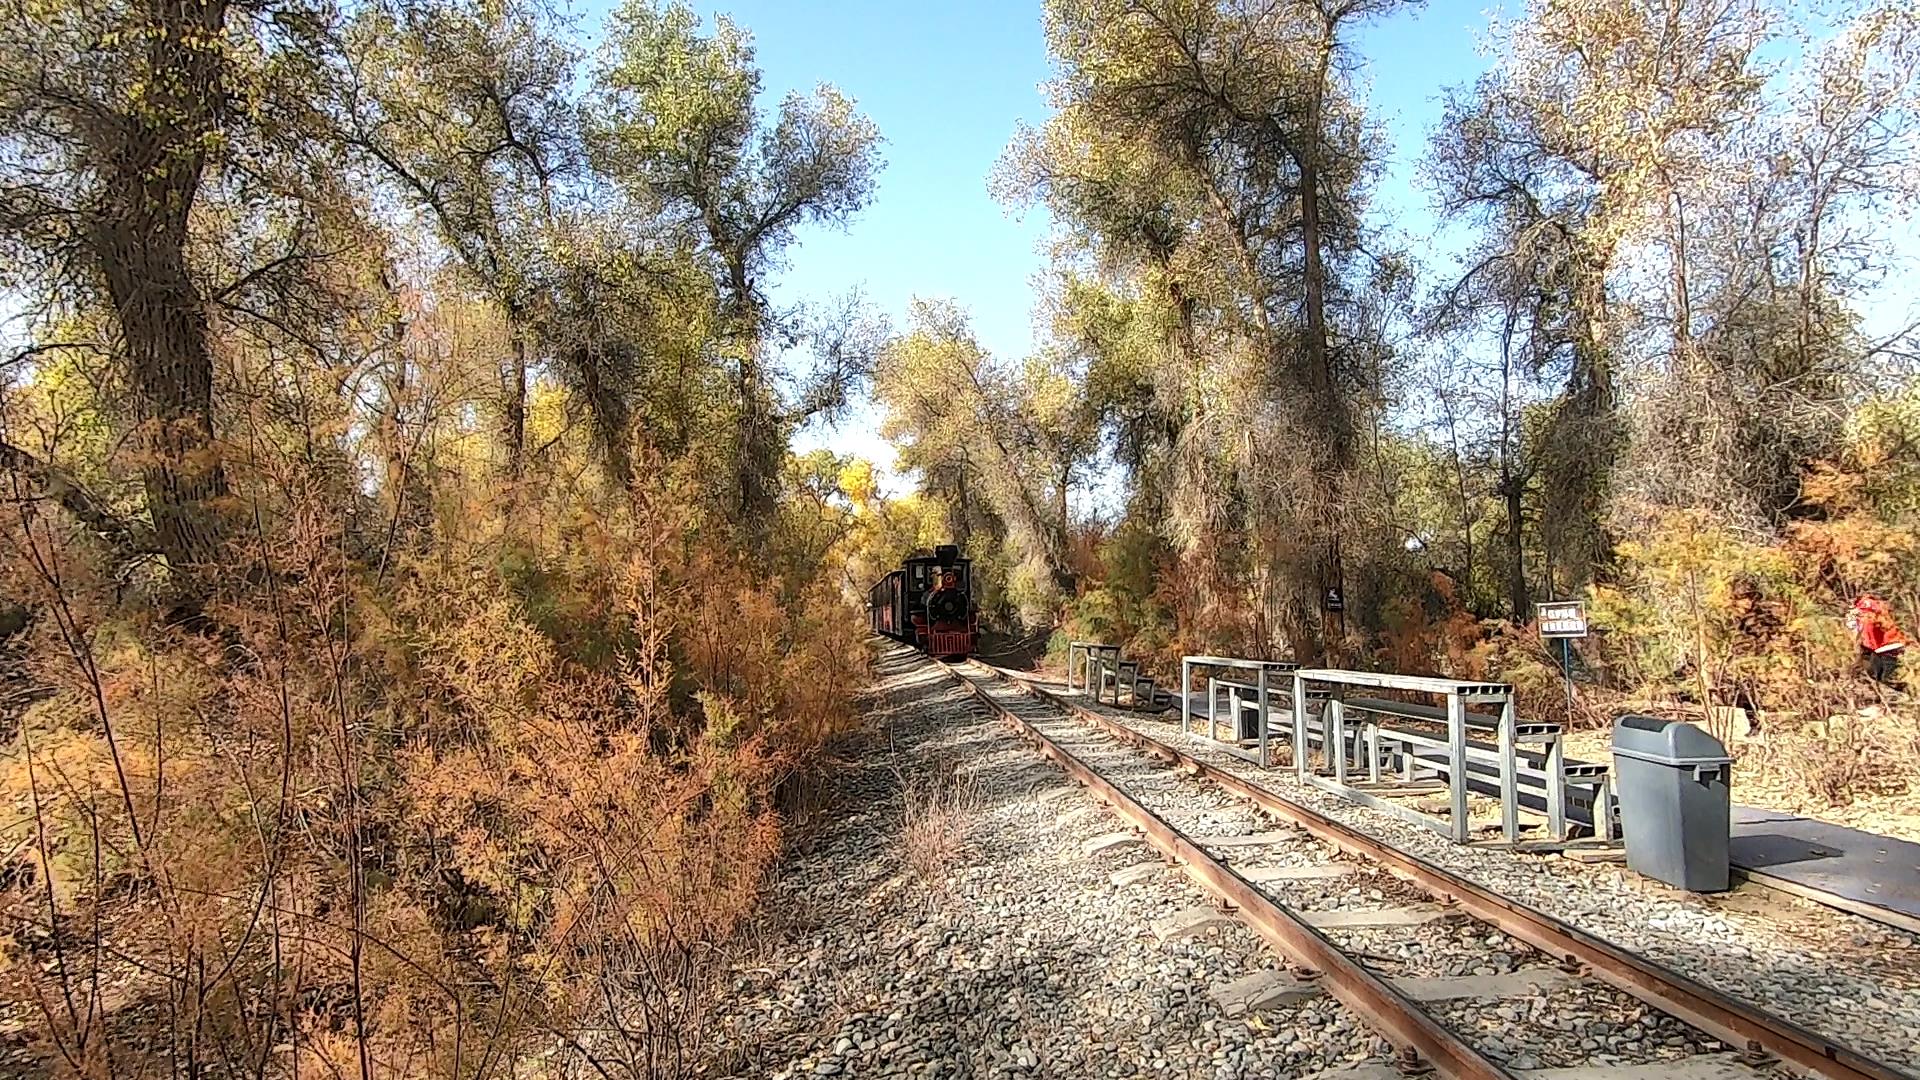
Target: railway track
[{"x": 1339, "y": 953}]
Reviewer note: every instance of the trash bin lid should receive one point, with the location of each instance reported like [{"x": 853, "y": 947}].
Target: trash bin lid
[{"x": 1666, "y": 742}]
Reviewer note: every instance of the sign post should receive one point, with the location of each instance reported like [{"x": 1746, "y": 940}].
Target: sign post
[
  {"x": 1333, "y": 618},
  {"x": 1566, "y": 620}
]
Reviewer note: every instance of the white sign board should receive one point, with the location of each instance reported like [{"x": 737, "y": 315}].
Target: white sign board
[{"x": 1562, "y": 619}]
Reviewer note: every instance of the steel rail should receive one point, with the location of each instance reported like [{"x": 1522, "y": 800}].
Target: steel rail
[
  {"x": 1737, "y": 1023},
  {"x": 1419, "y": 1038}
]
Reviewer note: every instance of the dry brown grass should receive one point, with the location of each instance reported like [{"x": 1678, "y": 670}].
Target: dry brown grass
[
  {"x": 1843, "y": 758},
  {"x": 938, "y": 811}
]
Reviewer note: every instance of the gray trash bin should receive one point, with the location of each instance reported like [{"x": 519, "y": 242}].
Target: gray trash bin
[{"x": 1676, "y": 806}]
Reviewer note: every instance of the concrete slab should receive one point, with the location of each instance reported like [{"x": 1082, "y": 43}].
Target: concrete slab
[
  {"x": 1368, "y": 918},
  {"x": 1366, "y": 1070},
  {"x": 1698, "y": 1067},
  {"x": 1321, "y": 872},
  {"x": 1871, "y": 875},
  {"x": 1509, "y": 984},
  {"x": 1263, "y": 990},
  {"x": 1277, "y": 989},
  {"x": 1185, "y": 924},
  {"x": 1134, "y": 875},
  {"x": 1283, "y": 836},
  {"x": 1077, "y": 814},
  {"x": 1109, "y": 842},
  {"x": 1594, "y": 855}
]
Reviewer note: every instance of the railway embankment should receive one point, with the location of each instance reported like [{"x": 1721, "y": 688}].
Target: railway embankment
[{"x": 1008, "y": 950}]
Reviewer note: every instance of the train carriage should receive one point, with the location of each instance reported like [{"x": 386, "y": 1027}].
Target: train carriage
[{"x": 928, "y": 603}]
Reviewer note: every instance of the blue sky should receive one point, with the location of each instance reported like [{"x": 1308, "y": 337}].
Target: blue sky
[{"x": 948, "y": 84}]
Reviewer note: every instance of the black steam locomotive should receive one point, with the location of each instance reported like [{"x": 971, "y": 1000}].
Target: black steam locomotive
[{"x": 928, "y": 603}]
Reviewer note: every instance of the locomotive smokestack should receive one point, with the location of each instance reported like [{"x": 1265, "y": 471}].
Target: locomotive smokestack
[{"x": 948, "y": 554}]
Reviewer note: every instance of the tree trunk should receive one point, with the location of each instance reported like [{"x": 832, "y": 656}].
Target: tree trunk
[
  {"x": 1809, "y": 285},
  {"x": 1467, "y": 569},
  {"x": 1326, "y": 407},
  {"x": 1512, "y": 492},
  {"x": 165, "y": 332},
  {"x": 1592, "y": 353},
  {"x": 513, "y": 394},
  {"x": 609, "y": 412},
  {"x": 962, "y": 528},
  {"x": 128, "y": 539},
  {"x": 756, "y": 456},
  {"x": 138, "y": 240},
  {"x": 1183, "y": 347},
  {"x": 1682, "y": 290},
  {"x": 1319, "y": 371},
  {"x": 1066, "y": 479},
  {"x": 756, "y": 450},
  {"x": 404, "y": 487},
  {"x": 1577, "y": 472}
]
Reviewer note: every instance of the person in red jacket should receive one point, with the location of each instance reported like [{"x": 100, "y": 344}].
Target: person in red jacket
[{"x": 1880, "y": 638}]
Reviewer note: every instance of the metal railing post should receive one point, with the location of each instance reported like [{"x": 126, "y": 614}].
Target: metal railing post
[
  {"x": 1557, "y": 790},
  {"x": 1260, "y": 717},
  {"x": 1335, "y": 740},
  {"x": 1300, "y": 727},
  {"x": 1186, "y": 699},
  {"x": 1509, "y": 776},
  {"x": 1457, "y": 764}
]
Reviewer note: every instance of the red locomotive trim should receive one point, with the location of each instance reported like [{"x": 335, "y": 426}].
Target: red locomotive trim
[{"x": 950, "y": 643}]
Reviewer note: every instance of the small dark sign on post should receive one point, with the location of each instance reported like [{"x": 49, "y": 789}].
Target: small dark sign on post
[
  {"x": 1566, "y": 620},
  {"x": 1562, "y": 619},
  {"x": 1335, "y": 600}
]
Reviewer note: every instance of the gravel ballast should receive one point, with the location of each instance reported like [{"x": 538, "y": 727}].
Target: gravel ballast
[{"x": 1013, "y": 954}]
